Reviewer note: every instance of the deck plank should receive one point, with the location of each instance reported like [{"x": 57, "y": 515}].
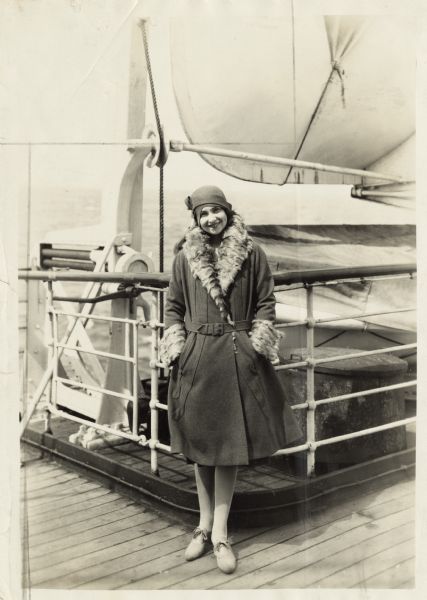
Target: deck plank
[
  {"x": 57, "y": 490},
  {"x": 73, "y": 510},
  {"x": 37, "y": 471},
  {"x": 47, "y": 498},
  {"x": 51, "y": 529},
  {"x": 82, "y": 493},
  {"x": 129, "y": 567},
  {"x": 93, "y": 555},
  {"x": 366, "y": 564},
  {"x": 48, "y": 481},
  {"x": 105, "y": 526},
  {"x": 29, "y": 478},
  {"x": 79, "y": 545},
  {"x": 401, "y": 576},
  {"x": 359, "y": 550}
]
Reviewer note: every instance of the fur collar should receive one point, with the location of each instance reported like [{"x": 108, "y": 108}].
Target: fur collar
[{"x": 216, "y": 268}]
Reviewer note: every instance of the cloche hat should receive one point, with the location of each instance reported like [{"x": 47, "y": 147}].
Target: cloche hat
[{"x": 207, "y": 194}]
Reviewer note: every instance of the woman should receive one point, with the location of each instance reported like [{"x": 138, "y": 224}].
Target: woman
[{"x": 226, "y": 405}]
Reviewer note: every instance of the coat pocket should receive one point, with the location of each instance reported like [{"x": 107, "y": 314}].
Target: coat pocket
[
  {"x": 253, "y": 378},
  {"x": 181, "y": 379},
  {"x": 247, "y": 344},
  {"x": 250, "y": 351},
  {"x": 186, "y": 350}
]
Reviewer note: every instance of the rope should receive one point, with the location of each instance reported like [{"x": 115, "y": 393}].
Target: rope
[
  {"x": 160, "y": 131},
  {"x": 161, "y": 221},
  {"x": 150, "y": 74}
]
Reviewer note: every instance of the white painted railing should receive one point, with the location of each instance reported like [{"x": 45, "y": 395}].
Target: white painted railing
[{"x": 311, "y": 404}]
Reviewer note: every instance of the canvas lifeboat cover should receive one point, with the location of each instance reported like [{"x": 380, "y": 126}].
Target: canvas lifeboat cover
[
  {"x": 306, "y": 247},
  {"x": 338, "y": 90}
]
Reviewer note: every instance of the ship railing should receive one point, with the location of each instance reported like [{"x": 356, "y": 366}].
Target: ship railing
[{"x": 310, "y": 280}]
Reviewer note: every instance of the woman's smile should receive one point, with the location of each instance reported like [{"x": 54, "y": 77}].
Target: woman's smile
[{"x": 213, "y": 219}]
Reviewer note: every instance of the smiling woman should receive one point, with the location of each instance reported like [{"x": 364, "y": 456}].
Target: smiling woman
[
  {"x": 226, "y": 404},
  {"x": 211, "y": 210},
  {"x": 213, "y": 219}
]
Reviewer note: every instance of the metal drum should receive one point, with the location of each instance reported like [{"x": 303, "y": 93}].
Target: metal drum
[{"x": 346, "y": 416}]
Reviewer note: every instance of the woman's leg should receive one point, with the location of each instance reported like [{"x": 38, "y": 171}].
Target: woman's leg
[
  {"x": 225, "y": 480},
  {"x": 205, "y": 481}
]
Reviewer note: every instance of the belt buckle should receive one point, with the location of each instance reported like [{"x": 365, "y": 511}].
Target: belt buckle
[{"x": 218, "y": 329}]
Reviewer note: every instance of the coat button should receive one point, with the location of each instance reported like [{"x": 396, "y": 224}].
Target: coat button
[{"x": 253, "y": 368}]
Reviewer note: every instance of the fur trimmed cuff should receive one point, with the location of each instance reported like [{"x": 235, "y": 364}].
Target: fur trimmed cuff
[
  {"x": 172, "y": 343},
  {"x": 265, "y": 339}
]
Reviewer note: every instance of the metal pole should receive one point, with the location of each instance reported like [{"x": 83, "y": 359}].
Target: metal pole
[
  {"x": 321, "y": 361},
  {"x": 311, "y": 410},
  {"x": 361, "y": 316},
  {"x": 127, "y": 358},
  {"x": 367, "y": 193},
  {"x": 49, "y": 300},
  {"x": 362, "y": 432},
  {"x": 154, "y": 439},
  {"x": 177, "y": 146},
  {"x": 56, "y": 355},
  {"x": 119, "y": 433},
  {"x": 135, "y": 379},
  {"x": 371, "y": 392},
  {"x": 161, "y": 280}
]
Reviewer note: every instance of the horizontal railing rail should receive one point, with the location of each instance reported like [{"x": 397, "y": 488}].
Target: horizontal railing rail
[{"x": 161, "y": 280}]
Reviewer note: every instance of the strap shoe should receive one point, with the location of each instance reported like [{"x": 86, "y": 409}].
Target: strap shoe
[
  {"x": 225, "y": 558},
  {"x": 198, "y": 545}
]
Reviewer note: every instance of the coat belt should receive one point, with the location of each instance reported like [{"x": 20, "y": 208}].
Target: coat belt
[{"x": 217, "y": 329}]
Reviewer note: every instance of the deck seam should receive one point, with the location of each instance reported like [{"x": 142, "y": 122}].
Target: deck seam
[
  {"x": 374, "y": 536},
  {"x": 75, "y": 507},
  {"x": 111, "y": 511},
  {"x": 96, "y": 539},
  {"x": 401, "y": 543},
  {"x": 410, "y": 580},
  {"x": 66, "y": 562},
  {"x": 302, "y": 551}
]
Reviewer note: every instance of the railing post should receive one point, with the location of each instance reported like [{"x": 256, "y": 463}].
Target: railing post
[
  {"x": 311, "y": 410},
  {"x": 128, "y": 365},
  {"x": 135, "y": 382},
  {"x": 51, "y": 355},
  {"x": 55, "y": 358},
  {"x": 154, "y": 324}
]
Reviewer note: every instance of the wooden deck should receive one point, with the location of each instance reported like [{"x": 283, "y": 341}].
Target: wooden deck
[{"x": 79, "y": 534}]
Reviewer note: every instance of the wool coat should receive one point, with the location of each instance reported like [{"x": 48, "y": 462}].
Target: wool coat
[{"x": 226, "y": 403}]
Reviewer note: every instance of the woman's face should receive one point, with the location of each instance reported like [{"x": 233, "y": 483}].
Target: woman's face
[{"x": 213, "y": 219}]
